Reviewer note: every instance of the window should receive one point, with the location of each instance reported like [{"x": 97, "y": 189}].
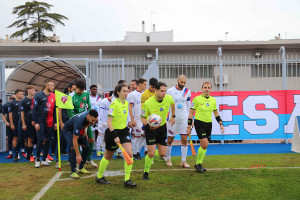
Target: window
[
  {"x": 172, "y": 72},
  {"x": 148, "y": 38},
  {"x": 274, "y": 70}
]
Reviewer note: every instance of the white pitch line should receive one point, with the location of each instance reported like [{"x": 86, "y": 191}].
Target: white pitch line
[
  {"x": 47, "y": 186},
  {"x": 121, "y": 173}
]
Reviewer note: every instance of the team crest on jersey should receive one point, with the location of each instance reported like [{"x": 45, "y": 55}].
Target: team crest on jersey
[
  {"x": 143, "y": 112},
  {"x": 207, "y": 104},
  {"x": 201, "y": 104},
  {"x": 64, "y": 99},
  {"x": 124, "y": 111},
  {"x": 81, "y": 105},
  {"x": 161, "y": 109},
  {"x": 77, "y": 131},
  {"x": 84, "y": 98},
  {"x": 110, "y": 111}
]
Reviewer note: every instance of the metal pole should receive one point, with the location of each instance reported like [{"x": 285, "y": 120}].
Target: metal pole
[
  {"x": 156, "y": 54},
  {"x": 219, "y": 52},
  {"x": 282, "y": 51},
  {"x": 87, "y": 75},
  {"x": 221, "y": 68},
  {"x": 3, "y": 126},
  {"x": 122, "y": 69}
]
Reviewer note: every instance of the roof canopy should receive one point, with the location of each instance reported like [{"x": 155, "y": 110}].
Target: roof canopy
[{"x": 38, "y": 71}]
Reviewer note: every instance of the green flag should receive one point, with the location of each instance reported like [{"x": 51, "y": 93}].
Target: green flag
[{"x": 63, "y": 101}]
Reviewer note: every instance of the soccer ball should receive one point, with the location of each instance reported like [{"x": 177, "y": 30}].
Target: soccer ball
[{"x": 154, "y": 120}]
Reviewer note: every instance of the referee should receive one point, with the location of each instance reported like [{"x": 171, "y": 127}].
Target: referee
[
  {"x": 204, "y": 105},
  {"x": 116, "y": 133}
]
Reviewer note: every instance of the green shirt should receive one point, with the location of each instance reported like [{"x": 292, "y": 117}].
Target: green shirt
[
  {"x": 119, "y": 112},
  {"x": 81, "y": 103},
  {"x": 204, "y": 107},
  {"x": 152, "y": 106}
]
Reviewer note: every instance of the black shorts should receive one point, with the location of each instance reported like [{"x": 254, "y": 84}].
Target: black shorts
[
  {"x": 123, "y": 135},
  {"x": 203, "y": 129},
  {"x": 14, "y": 133},
  {"x": 8, "y": 132},
  {"x": 158, "y": 136}
]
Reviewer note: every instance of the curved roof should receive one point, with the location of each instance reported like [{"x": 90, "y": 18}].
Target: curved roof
[{"x": 38, "y": 71}]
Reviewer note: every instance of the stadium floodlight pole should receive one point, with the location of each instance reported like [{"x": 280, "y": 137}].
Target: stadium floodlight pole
[
  {"x": 219, "y": 52},
  {"x": 283, "y": 58}
]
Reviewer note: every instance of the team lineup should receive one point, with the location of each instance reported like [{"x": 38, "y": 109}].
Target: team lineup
[{"x": 131, "y": 117}]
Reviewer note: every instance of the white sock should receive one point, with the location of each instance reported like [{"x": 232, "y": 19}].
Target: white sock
[
  {"x": 98, "y": 143},
  {"x": 145, "y": 144},
  {"x": 134, "y": 143},
  {"x": 22, "y": 150},
  {"x": 184, "y": 149},
  {"x": 10, "y": 152},
  {"x": 169, "y": 149},
  {"x": 102, "y": 143}
]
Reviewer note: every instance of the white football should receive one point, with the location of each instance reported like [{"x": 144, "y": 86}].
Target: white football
[{"x": 154, "y": 120}]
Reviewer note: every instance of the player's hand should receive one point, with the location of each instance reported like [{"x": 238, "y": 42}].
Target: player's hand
[
  {"x": 133, "y": 123},
  {"x": 61, "y": 125},
  {"x": 55, "y": 127},
  {"x": 85, "y": 135},
  {"x": 12, "y": 127},
  {"x": 7, "y": 124},
  {"x": 117, "y": 140},
  {"x": 172, "y": 121},
  {"x": 132, "y": 134},
  {"x": 37, "y": 127},
  {"x": 222, "y": 129},
  {"x": 32, "y": 123},
  {"x": 78, "y": 159},
  {"x": 24, "y": 127}
]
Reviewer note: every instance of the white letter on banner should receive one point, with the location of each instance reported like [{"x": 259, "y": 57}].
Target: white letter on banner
[
  {"x": 272, "y": 120},
  {"x": 226, "y": 116},
  {"x": 289, "y": 128}
]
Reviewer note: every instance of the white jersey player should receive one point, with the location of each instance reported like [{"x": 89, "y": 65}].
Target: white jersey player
[
  {"x": 102, "y": 123},
  {"x": 182, "y": 99},
  {"x": 135, "y": 109}
]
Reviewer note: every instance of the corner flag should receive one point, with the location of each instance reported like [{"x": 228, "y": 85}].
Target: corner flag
[{"x": 63, "y": 101}]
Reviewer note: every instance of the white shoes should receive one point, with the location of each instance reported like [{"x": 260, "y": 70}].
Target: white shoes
[
  {"x": 45, "y": 163},
  {"x": 92, "y": 163},
  {"x": 37, "y": 164}
]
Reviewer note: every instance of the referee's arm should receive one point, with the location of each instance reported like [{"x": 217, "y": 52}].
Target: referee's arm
[{"x": 218, "y": 118}]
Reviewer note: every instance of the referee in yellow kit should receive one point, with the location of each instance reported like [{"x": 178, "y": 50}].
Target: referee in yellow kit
[
  {"x": 204, "y": 105},
  {"x": 117, "y": 132}
]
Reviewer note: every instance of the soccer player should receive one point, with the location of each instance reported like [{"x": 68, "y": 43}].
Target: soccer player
[
  {"x": 81, "y": 102},
  {"x": 134, "y": 99},
  {"x": 95, "y": 103},
  {"x": 44, "y": 115},
  {"x": 117, "y": 132},
  {"x": 14, "y": 114},
  {"x": 8, "y": 130},
  {"x": 150, "y": 92},
  {"x": 158, "y": 104},
  {"x": 133, "y": 85},
  {"x": 203, "y": 105},
  {"x": 182, "y": 98},
  {"x": 26, "y": 129},
  {"x": 102, "y": 126},
  {"x": 75, "y": 133}
]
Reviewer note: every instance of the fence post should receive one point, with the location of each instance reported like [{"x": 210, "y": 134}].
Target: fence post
[
  {"x": 3, "y": 97},
  {"x": 219, "y": 52},
  {"x": 283, "y": 58},
  {"x": 87, "y": 75}
]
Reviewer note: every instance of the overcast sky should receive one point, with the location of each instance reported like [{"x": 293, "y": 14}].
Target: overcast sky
[{"x": 191, "y": 20}]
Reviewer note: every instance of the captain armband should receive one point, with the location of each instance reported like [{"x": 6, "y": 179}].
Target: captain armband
[{"x": 190, "y": 121}]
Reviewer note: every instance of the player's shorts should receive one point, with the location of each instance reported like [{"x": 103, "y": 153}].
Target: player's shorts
[
  {"x": 177, "y": 128},
  {"x": 138, "y": 130},
  {"x": 15, "y": 133},
  {"x": 123, "y": 135},
  {"x": 44, "y": 133},
  {"x": 90, "y": 132},
  {"x": 8, "y": 132},
  {"x": 203, "y": 129},
  {"x": 102, "y": 128},
  {"x": 29, "y": 133},
  {"x": 158, "y": 136},
  {"x": 82, "y": 140}
]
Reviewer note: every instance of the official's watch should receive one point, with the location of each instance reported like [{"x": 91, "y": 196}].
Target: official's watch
[{"x": 174, "y": 116}]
